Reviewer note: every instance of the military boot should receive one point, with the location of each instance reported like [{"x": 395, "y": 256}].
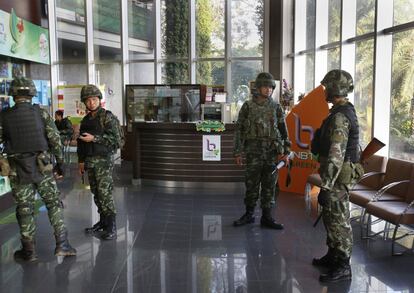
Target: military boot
[
  {"x": 247, "y": 218},
  {"x": 27, "y": 252},
  {"x": 326, "y": 261},
  {"x": 340, "y": 271},
  {"x": 63, "y": 247},
  {"x": 268, "y": 221},
  {"x": 98, "y": 227},
  {"x": 110, "y": 229}
]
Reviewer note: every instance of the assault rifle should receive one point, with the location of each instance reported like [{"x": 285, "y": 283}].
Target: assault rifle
[{"x": 373, "y": 146}]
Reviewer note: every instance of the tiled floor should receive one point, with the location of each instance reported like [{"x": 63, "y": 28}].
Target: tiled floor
[{"x": 182, "y": 240}]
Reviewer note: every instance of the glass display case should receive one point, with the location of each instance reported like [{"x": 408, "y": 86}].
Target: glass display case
[{"x": 163, "y": 103}]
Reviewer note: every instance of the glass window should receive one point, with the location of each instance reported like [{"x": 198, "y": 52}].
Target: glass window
[
  {"x": 310, "y": 23},
  {"x": 175, "y": 73},
  {"x": 109, "y": 78},
  {"x": 363, "y": 92},
  {"x": 174, "y": 29},
  {"x": 310, "y": 72},
  {"x": 210, "y": 72},
  {"x": 141, "y": 30},
  {"x": 334, "y": 58},
  {"x": 247, "y": 28},
  {"x": 403, "y": 11},
  {"x": 402, "y": 97},
  {"x": 242, "y": 73},
  {"x": 210, "y": 30},
  {"x": 141, "y": 73},
  {"x": 334, "y": 23},
  {"x": 365, "y": 16},
  {"x": 71, "y": 44}
]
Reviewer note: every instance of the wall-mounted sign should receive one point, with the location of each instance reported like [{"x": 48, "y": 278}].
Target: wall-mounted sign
[
  {"x": 211, "y": 148},
  {"x": 22, "y": 39}
]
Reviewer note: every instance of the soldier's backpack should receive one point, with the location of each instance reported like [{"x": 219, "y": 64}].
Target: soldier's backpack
[{"x": 120, "y": 130}]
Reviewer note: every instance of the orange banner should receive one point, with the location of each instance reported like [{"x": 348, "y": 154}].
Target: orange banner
[{"x": 302, "y": 123}]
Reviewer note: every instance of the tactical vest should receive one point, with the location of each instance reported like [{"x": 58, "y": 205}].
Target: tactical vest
[
  {"x": 24, "y": 129},
  {"x": 262, "y": 121},
  {"x": 352, "y": 147},
  {"x": 94, "y": 127}
]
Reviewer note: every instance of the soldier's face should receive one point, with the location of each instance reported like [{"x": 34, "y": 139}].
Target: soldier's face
[
  {"x": 266, "y": 91},
  {"x": 92, "y": 103}
]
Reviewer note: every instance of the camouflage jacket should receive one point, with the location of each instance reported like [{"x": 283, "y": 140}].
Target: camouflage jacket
[
  {"x": 338, "y": 131},
  {"x": 52, "y": 135},
  {"x": 110, "y": 136},
  {"x": 250, "y": 116}
]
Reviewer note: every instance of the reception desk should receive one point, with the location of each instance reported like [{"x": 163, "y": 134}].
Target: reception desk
[{"x": 171, "y": 154}]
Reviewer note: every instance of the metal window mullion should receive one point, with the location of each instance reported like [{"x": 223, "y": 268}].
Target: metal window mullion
[
  {"x": 321, "y": 37},
  {"x": 125, "y": 55},
  {"x": 157, "y": 41},
  {"x": 287, "y": 37},
  {"x": 266, "y": 37},
  {"x": 348, "y": 29},
  {"x": 192, "y": 41},
  {"x": 382, "y": 74},
  {"x": 90, "y": 42},
  {"x": 54, "y": 66},
  {"x": 299, "y": 45},
  {"x": 227, "y": 56}
]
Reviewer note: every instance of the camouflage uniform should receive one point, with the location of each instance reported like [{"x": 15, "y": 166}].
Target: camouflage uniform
[
  {"x": 23, "y": 191},
  {"x": 65, "y": 129},
  {"x": 97, "y": 156},
  {"x": 261, "y": 134},
  {"x": 339, "y": 169}
]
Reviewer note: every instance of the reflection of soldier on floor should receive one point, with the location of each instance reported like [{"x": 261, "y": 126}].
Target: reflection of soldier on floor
[{"x": 30, "y": 137}]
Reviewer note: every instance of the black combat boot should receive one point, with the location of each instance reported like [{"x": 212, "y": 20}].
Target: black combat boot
[
  {"x": 268, "y": 221},
  {"x": 110, "y": 229},
  {"x": 98, "y": 227},
  {"x": 340, "y": 271},
  {"x": 63, "y": 247},
  {"x": 247, "y": 218},
  {"x": 27, "y": 252},
  {"x": 327, "y": 261}
]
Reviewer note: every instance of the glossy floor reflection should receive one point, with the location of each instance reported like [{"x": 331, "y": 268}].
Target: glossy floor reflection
[{"x": 182, "y": 240}]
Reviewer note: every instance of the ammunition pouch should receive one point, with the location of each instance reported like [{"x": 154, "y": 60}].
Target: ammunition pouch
[{"x": 44, "y": 163}]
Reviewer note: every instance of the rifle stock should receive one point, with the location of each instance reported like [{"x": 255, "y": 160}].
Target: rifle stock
[{"x": 374, "y": 146}]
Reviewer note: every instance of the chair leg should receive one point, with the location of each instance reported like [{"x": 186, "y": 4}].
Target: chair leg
[
  {"x": 362, "y": 222},
  {"x": 308, "y": 199},
  {"x": 393, "y": 242}
]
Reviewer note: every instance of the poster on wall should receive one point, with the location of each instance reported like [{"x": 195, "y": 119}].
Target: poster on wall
[
  {"x": 22, "y": 39},
  {"x": 211, "y": 148}
]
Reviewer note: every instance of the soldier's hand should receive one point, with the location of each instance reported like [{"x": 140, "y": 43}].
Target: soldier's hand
[
  {"x": 86, "y": 137},
  {"x": 323, "y": 197},
  {"x": 58, "y": 171},
  {"x": 239, "y": 160},
  {"x": 285, "y": 158},
  {"x": 81, "y": 168}
]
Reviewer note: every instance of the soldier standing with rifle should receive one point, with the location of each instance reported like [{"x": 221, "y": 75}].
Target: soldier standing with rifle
[
  {"x": 336, "y": 143},
  {"x": 99, "y": 138},
  {"x": 30, "y": 137},
  {"x": 262, "y": 136}
]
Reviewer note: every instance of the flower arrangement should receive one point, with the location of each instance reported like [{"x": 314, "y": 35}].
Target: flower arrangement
[
  {"x": 209, "y": 126},
  {"x": 287, "y": 95}
]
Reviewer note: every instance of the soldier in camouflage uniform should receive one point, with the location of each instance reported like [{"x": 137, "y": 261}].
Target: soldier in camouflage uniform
[
  {"x": 337, "y": 145},
  {"x": 30, "y": 137},
  {"x": 99, "y": 138},
  {"x": 261, "y": 135}
]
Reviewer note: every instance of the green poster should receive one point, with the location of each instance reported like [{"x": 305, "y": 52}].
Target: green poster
[{"x": 22, "y": 39}]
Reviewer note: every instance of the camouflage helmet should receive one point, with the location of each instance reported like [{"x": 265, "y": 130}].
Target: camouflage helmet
[
  {"x": 265, "y": 79},
  {"x": 338, "y": 83},
  {"x": 21, "y": 86},
  {"x": 90, "y": 90}
]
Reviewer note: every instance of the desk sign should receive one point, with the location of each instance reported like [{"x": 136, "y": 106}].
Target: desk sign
[{"x": 211, "y": 148}]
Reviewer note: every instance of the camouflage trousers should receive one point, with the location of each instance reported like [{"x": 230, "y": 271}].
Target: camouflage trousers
[
  {"x": 24, "y": 195},
  {"x": 336, "y": 218},
  {"x": 259, "y": 180},
  {"x": 100, "y": 179}
]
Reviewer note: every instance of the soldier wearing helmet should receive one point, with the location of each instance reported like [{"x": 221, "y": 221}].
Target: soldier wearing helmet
[
  {"x": 336, "y": 143},
  {"x": 261, "y": 136},
  {"x": 98, "y": 140},
  {"x": 30, "y": 138}
]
